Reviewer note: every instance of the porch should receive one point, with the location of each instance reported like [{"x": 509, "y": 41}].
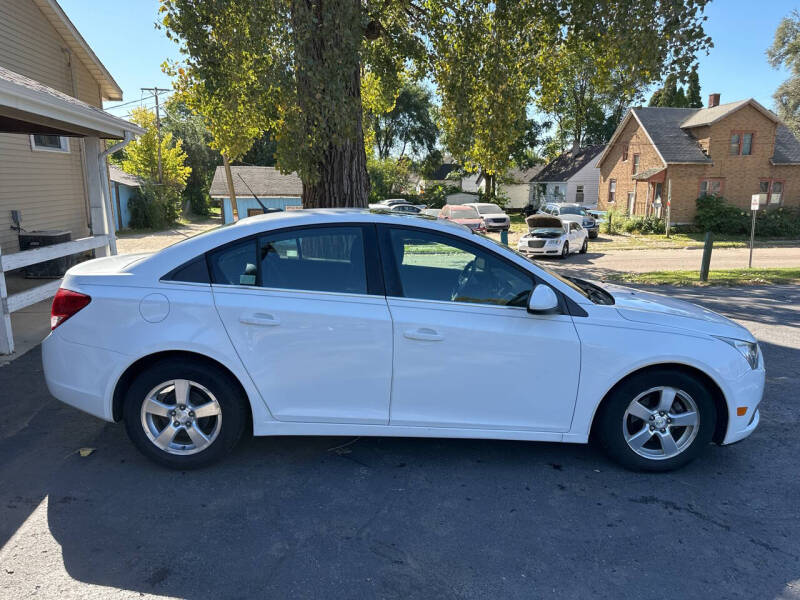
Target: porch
[
  {"x": 28, "y": 108},
  {"x": 649, "y": 196}
]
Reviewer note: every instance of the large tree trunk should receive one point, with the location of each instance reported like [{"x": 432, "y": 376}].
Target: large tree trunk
[{"x": 341, "y": 162}]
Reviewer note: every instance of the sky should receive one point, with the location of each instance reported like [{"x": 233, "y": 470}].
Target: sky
[{"x": 123, "y": 36}]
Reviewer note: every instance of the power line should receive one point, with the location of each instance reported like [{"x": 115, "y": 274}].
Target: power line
[{"x": 127, "y": 103}]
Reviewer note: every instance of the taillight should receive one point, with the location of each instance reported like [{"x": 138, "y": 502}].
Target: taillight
[{"x": 65, "y": 304}]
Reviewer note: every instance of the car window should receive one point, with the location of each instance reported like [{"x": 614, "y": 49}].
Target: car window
[
  {"x": 235, "y": 264},
  {"x": 431, "y": 266},
  {"x": 325, "y": 259},
  {"x": 194, "y": 271},
  {"x": 574, "y": 226}
]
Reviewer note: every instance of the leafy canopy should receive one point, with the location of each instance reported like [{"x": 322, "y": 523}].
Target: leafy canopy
[
  {"x": 141, "y": 155},
  {"x": 785, "y": 50}
]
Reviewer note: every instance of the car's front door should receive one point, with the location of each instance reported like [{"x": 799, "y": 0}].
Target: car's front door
[
  {"x": 467, "y": 353},
  {"x": 308, "y": 318}
]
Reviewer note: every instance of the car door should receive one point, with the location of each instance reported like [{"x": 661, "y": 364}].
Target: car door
[
  {"x": 575, "y": 237},
  {"x": 307, "y": 315},
  {"x": 467, "y": 353}
]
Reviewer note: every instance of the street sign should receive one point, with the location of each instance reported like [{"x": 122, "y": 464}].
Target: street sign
[{"x": 755, "y": 201}]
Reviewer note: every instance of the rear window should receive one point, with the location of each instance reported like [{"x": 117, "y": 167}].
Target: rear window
[{"x": 194, "y": 271}]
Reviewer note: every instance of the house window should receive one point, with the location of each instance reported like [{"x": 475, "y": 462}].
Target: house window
[
  {"x": 635, "y": 164},
  {"x": 773, "y": 188},
  {"x": 631, "y": 202},
  {"x": 741, "y": 143},
  {"x": 625, "y": 152},
  {"x": 612, "y": 190},
  {"x": 711, "y": 187},
  {"x": 579, "y": 193},
  {"x": 49, "y": 143}
]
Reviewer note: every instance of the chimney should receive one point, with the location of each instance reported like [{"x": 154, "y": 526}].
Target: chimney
[{"x": 713, "y": 100}]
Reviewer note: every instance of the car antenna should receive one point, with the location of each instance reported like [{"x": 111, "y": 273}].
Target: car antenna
[{"x": 260, "y": 203}]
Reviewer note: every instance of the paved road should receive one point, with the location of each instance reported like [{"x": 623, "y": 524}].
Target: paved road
[{"x": 403, "y": 518}]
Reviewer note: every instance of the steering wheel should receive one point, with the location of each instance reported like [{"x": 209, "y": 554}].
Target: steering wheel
[{"x": 463, "y": 280}]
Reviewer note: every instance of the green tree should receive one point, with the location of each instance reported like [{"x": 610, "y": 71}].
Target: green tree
[
  {"x": 300, "y": 63},
  {"x": 785, "y": 51},
  {"x": 693, "y": 91},
  {"x": 408, "y": 127},
  {"x": 387, "y": 176},
  {"x": 141, "y": 155},
  {"x": 195, "y": 138}
]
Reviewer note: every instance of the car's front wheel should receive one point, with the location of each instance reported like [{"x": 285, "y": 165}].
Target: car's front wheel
[
  {"x": 585, "y": 246},
  {"x": 565, "y": 250},
  {"x": 657, "y": 420},
  {"x": 184, "y": 415}
]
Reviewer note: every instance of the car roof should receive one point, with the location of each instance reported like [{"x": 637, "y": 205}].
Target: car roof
[{"x": 189, "y": 248}]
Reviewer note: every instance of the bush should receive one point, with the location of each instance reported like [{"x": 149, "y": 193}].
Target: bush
[
  {"x": 199, "y": 201},
  {"x": 154, "y": 207},
  {"x": 716, "y": 215}
]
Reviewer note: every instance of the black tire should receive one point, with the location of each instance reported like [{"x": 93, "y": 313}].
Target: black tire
[
  {"x": 593, "y": 234},
  {"x": 565, "y": 250},
  {"x": 585, "y": 246},
  {"x": 232, "y": 406},
  {"x": 610, "y": 421}
]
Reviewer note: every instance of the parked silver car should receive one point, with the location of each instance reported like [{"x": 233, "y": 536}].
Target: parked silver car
[{"x": 494, "y": 218}]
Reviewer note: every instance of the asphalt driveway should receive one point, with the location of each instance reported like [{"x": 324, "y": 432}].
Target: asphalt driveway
[{"x": 403, "y": 518}]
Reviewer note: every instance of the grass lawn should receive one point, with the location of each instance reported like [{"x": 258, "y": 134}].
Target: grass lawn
[{"x": 721, "y": 277}]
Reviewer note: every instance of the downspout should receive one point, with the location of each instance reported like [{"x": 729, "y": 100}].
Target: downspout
[{"x": 112, "y": 237}]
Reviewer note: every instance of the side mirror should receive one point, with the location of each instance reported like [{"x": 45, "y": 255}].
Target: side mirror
[{"x": 543, "y": 300}]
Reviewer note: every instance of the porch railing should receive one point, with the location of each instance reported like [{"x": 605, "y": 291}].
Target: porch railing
[{"x": 18, "y": 260}]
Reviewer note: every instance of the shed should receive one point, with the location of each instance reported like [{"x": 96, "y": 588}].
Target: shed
[
  {"x": 123, "y": 186},
  {"x": 273, "y": 188}
]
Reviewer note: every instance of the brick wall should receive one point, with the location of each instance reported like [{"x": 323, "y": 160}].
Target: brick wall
[{"x": 613, "y": 167}]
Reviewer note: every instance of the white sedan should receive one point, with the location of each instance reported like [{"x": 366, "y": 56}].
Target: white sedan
[
  {"x": 494, "y": 218},
  {"x": 552, "y": 236},
  {"x": 346, "y": 322}
]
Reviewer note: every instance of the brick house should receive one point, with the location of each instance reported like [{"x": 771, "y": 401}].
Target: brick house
[{"x": 734, "y": 150}]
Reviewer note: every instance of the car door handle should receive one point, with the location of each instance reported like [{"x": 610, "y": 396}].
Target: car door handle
[
  {"x": 424, "y": 333},
  {"x": 261, "y": 319}
]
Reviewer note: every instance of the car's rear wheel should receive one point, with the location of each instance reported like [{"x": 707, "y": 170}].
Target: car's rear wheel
[
  {"x": 565, "y": 250},
  {"x": 657, "y": 420},
  {"x": 585, "y": 246},
  {"x": 184, "y": 415}
]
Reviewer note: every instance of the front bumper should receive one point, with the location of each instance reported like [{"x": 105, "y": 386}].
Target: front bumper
[
  {"x": 746, "y": 392},
  {"x": 544, "y": 250}
]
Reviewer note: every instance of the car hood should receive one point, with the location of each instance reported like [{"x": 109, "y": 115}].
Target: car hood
[
  {"x": 466, "y": 221},
  {"x": 646, "y": 307}
]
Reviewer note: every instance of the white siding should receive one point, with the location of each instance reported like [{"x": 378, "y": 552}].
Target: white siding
[
  {"x": 519, "y": 194},
  {"x": 48, "y": 187},
  {"x": 589, "y": 177}
]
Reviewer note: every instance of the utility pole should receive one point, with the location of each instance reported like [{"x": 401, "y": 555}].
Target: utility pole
[{"x": 156, "y": 90}]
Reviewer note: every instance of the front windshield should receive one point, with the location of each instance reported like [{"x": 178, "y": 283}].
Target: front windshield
[
  {"x": 572, "y": 210},
  {"x": 464, "y": 212},
  {"x": 489, "y": 209}
]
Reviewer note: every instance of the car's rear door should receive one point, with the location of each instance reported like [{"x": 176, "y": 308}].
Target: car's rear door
[
  {"x": 467, "y": 353},
  {"x": 306, "y": 312}
]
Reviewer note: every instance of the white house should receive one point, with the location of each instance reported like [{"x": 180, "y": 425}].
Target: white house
[
  {"x": 572, "y": 177},
  {"x": 515, "y": 185}
]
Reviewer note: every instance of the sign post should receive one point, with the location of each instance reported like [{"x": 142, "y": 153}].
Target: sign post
[
  {"x": 669, "y": 205},
  {"x": 755, "y": 204}
]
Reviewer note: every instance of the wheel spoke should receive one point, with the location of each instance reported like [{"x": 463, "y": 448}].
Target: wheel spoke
[
  {"x": 684, "y": 419},
  {"x": 198, "y": 437},
  {"x": 209, "y": 409},
  {"x": 667, "y": 398},
  {"x": 154, "y": 407},
  {"x": 166, "y": 436},
  {"x": 637, "y": 409},
  {"x": 668, "y": 443},
  {"x": 638, "y": 440},
  {"x": 181, "y": 391}
]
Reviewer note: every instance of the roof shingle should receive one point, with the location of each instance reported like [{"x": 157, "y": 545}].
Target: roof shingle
[
  {"x": 566, "y": 165},
  {"x": 263, "y": 181}
]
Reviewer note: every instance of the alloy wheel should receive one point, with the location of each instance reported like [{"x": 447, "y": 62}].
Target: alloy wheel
[
  {"x": 660, "y": 423},
  {"x": 181, "y": 417}
]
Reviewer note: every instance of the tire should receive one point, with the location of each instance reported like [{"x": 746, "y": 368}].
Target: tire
[
  {"x": 593, "y": 234},
  {"x": 619, "y": 430},
  {"x": 209, "y": 390},
  {"x": 565, "y": 250},
  {"x": 585, "y": 246}
]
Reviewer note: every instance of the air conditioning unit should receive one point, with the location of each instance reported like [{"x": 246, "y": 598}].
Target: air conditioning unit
[{"x": 56, "y": 267}]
